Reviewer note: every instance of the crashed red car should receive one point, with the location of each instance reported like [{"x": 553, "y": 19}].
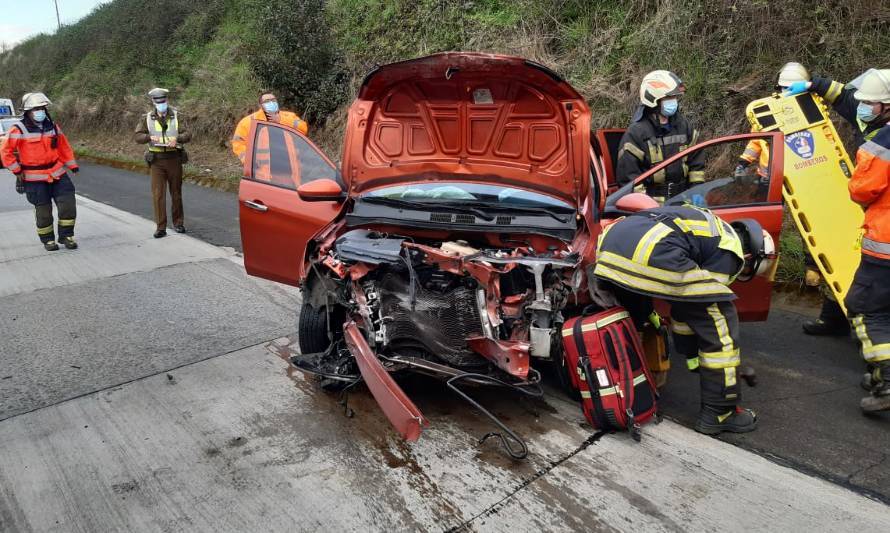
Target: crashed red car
[{"x": 458, "y": 233}]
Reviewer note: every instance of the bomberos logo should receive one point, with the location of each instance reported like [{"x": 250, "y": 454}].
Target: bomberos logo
[{"x": 801, "y": 143}]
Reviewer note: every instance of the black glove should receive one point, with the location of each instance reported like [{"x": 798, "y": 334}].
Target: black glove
[{"x": 19, "y": 184}]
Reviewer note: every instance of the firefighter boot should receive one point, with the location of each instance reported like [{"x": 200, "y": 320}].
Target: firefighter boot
[
  {"x": 69, "y": 242},
  {"x": 50, "y": 246},
  {"x": 715, "y": 419},
  {"x": 871, "y": 378},
  {"x": 879, "y": 400},
  {"x": 831, "y": 322}
]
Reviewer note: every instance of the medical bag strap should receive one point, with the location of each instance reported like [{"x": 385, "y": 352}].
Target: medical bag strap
[
  {"x": 599, "y": 414},
  {"x": 618, "y": 338}
]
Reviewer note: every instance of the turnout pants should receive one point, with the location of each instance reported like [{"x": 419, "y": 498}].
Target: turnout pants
[
  {"x": 707, "y": 334},
  {"x": 166, "y": 170},
  {"x": 868, "y": 302},
  {"x": 42, "y": 194}
]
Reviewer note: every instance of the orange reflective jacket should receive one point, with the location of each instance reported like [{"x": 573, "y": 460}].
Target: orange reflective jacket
[
  {"x": 870, "y": 188},
  {"x": 757, "y": 150},
  {"x": 242, "y": 130},
  {"x": 31, "y": 153}
]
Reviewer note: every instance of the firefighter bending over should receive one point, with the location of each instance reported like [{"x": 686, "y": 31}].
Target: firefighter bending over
[
  {"x": 39, "y": 155},
  {"x": 689, "y": 257},
  {"x": 658, "y": 130}
]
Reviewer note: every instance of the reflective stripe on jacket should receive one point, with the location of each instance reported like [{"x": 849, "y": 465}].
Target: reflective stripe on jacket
[
  {"x": 242, "y": 130},
  {"x": 162, "y": 133},
  {"x": 30, "y": 152},
  {"x": 757, "y": 150},
  {"x": 870, "y": 187},
  {"x": 675, "y": 253}
]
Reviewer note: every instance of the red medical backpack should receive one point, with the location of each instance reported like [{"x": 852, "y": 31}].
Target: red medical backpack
[{"x": 605, "y": 358}]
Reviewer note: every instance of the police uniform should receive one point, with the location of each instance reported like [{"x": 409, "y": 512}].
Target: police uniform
[
  {"x": 647, "y": 142},
  {"x": 689, "y": 257},
  {"x": 165, "y": 162}
]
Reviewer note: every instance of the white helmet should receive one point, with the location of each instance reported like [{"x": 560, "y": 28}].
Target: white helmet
[
  {"x": 33, "y": 100},
  {"x": 659, "y": 84},
  {"x": 758, "y": 247},
  {"x": 875, "y": 86},
  {"x": 792, "y": 72}
]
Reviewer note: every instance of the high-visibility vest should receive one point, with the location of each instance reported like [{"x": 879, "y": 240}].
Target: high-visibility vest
[{"x": 160, "y": 136}]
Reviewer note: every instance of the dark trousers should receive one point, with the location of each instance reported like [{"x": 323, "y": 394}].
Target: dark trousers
[
  {"x": 167, "y": 171},
  {"x": 41, "y": 195},
  {"x": 868, "y": 302},
  {"x": 707, "y": 334}
]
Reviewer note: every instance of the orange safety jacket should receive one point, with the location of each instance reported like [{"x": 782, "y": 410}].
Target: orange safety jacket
[
  {"x": 757, "y": 150},
  {"x": 870, "y": 188},
  {"x": 31, "y": 153},
  {"x": 242, "y": 130}
]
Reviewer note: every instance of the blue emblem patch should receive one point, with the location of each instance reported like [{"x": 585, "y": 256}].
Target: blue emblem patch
[{"x": 802, "y": 144}]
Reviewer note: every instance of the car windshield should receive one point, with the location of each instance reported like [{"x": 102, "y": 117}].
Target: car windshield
[{"x": 470, "y": 193}]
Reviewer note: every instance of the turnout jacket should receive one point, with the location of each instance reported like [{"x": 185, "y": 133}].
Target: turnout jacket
[
  {"x": 39, "y": 152},
  {"x": 840, "y": 98},
  {"x": 870, "y": 187},
  {"x": 676, "y": 253},
  {"x": 647, "y": 143}
]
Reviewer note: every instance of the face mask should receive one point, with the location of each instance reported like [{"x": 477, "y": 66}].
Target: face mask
[
  {"x": 864, "y": 112},
  {"x": 161, "y": 107},
  {"x": 38, "y": 116},
  {"x": 669, "y": 107},
  {"x": 270, "y": 107}
]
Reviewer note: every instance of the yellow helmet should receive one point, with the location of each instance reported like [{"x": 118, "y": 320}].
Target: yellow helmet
[
  {"x": 875, "y": 86},
  {"x": 659, "y": 84},
  {"x": 792, "y": 72}
]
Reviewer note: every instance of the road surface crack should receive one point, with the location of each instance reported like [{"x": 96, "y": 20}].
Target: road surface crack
[{"x": 496, "y": 506}]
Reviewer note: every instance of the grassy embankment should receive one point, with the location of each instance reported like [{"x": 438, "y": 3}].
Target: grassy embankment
[{"x": 217, "y": 54}]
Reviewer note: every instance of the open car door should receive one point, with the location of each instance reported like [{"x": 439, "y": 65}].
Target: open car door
[
  {"x": 753, "y": 192},
  {"x": 606, "y": 143},
  {"x": 277, "y": 221}
]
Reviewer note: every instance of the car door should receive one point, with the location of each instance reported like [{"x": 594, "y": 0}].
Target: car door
[
  {"x": 276, "y": 223},
  {"x": 755, "y": 193},
  {"x": 607, "y": 142}
]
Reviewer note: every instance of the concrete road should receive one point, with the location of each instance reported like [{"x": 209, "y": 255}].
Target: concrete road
[{"x": 144, "y": 388}]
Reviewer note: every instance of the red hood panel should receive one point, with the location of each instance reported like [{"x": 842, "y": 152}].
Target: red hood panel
[{"x": 484, "y": 117}]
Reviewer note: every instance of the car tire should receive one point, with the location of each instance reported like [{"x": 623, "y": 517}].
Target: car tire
[{"x": 312, "y": 330}]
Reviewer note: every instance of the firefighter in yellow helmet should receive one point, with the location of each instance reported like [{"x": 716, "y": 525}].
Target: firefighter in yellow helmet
[
  {"x": 269, "y": 111},
  {"x": 658, "y": 130}
]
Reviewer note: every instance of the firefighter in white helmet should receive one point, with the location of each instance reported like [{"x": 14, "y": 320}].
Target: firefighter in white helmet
[
  {"x": 39, "y": 155},
  {"x": 858, "y": 104},
  {"x": 658, "y": 130}
]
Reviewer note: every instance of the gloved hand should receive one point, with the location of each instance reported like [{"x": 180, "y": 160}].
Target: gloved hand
[
  {"x": 812, "y": 278},
  {"x": 740, "y": 171},
  {"x": 699, "y": 200},
  {"x": 19, "y": 184},
  {"x": 798, "y": 87}
]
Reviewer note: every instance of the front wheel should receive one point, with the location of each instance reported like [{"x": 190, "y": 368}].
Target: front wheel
[{"x": 312, "y": 329}]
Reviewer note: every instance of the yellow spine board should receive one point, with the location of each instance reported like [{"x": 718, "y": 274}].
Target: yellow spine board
[{"x": 817, "y": 169}]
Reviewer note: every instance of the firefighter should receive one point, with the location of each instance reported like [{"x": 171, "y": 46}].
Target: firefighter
[
  {"x": 689, "y": 257},
  {"x": 163, "y": 130},
  {"x": 658, "y": 130},
  {"x": 269, "y": 111},
  {"x": 39, "y": 155},
  {"x": 866, "y": 124},
  {"x": 868, "y": 300}
]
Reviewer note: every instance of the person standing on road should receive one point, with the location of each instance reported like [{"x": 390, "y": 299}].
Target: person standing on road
[
  {"x": 658, "y": 131},
  {"x": 866, "y": 124},
  {"x": 269, "y": 111},
  {"x": 688, "y": 256},
  {"x": 162, "y": 129},
  {"x": 868, "y": 299},
  {"x": 39, "y": 155}
]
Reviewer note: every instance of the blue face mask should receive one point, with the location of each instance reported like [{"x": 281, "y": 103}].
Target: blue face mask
[
  {"x": 864, "y": 112},
  {"x": 669, "y": 107},
  {"x": 270, "y": 107},
  {"x": 161, "y": 107},
  {"x": 38, "y": 116}
]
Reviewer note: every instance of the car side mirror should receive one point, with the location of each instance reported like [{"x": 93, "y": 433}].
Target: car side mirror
[
  {"x": 634, "y": 202},
  {"x": 320, "y": 190}
]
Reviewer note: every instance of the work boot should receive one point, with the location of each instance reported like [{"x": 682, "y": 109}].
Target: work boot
[
  {"x": 50, "y": 246},
  {"x": 821, "y": 328},
  {"x": 879, "y": 400},
  {"x": 69, "y": 243},
  {"x": 179, "y": 229},
  {"x": 713, "y": 420},
  {"x": 160, "y": 233}
]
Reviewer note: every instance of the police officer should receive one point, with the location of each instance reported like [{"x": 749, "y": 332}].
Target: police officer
[
  {"x": 39, "y": 155},
  {"x": 688, "y": 257},
  {"x": 269, "y": 111},
  {"x": 658, "y": 131},
  {"x": 163, "y": 130},
  {"x": 868, "y": 299},
  {"x": 866, "y": 124}
]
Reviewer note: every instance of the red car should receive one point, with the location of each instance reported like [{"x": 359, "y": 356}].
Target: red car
[{"x": 459, "y": 230}]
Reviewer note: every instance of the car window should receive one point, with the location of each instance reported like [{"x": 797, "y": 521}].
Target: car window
[{"x": 285, "y": 159}]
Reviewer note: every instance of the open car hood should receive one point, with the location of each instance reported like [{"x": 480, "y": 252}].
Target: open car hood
[{"x": 469, "y": 117}]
